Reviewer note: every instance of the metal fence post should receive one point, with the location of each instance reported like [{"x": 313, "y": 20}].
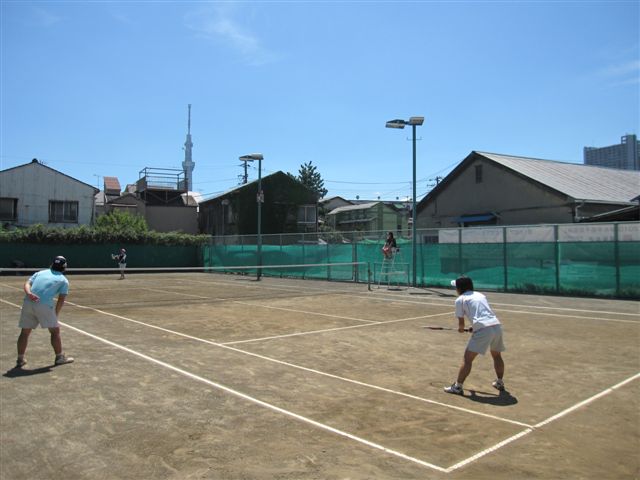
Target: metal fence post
[
  {"x": 504, "y": 258},
  {"x": 557, "y": 255},
  {"x": 616, "y": 256}
]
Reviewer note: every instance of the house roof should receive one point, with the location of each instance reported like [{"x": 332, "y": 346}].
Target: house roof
[
  {"x": 37, "y": 163},
  {"x": 577, "y": 181},
  {"x": 581, "y": 182},
  {"x": 346, "y": 208}
]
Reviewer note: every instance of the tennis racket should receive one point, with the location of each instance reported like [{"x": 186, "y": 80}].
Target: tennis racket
[{"x": 433, "y": 327}]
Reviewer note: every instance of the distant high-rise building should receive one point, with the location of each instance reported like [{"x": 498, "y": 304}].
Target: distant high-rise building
[
  {"x": 188, "y": 163},
  {"x": 625, "y": 156}
]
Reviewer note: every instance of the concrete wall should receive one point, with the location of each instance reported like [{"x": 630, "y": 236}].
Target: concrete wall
[{"x": 34, "y": 185}]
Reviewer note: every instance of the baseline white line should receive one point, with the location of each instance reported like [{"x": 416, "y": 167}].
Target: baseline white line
[
  {"x": 262, "y": 403},
  {"x": 587, "y": 401}
]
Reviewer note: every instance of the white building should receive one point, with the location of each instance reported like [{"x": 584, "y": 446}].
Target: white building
[
  {"x": 626, "y": 155},
  {"x": 36, "y": 194}
]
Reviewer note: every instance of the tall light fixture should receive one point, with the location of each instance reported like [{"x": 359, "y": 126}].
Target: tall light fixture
[
  {"x": 414, "y": 122},
  {"x": 260, "y": 199}
]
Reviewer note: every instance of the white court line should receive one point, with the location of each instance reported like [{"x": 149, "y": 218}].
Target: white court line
[
  {"x": 585, "y": 402},
  {"x": 310, "y": 332},
  {"x": 299, "y": 367},
  {"x": 303, "y": 311},
  {"x": 401, "y": 455},
  {"x": 544, "y": 422},
  {"x": 173, "y": 293},
  {"x": 262, "y": 403},
  {"x": 489, "y": 450}
]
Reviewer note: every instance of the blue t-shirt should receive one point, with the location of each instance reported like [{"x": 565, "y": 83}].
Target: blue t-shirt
[{"x": 47, "y": 284}]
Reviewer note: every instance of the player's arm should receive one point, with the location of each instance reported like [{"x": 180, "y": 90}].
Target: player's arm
[
  {"x": 60, "y": 303},
  {"x": 27, "y": 289},
  {"x": 461, "y": 325}
]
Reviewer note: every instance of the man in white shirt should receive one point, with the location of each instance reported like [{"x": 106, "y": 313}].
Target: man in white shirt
[{"x": 487, "y": 333}]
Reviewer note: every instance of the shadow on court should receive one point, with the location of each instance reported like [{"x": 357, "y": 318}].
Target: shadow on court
[
  {"x": 503, "y": 399},
  {"x": 27, "y": 372}
]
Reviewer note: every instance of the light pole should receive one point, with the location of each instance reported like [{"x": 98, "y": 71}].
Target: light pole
[
  {"x": 414, "y": 122},
  {"x": 260, "y": 199}
]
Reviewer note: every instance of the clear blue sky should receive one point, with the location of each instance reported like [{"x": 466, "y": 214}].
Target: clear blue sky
[{"x": 101, "y": 88}]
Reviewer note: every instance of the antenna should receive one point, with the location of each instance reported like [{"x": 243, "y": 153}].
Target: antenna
[{"x": 189, "y": 121}]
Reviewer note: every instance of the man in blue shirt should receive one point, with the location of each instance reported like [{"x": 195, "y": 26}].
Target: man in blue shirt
[{"x": 38, "y": 308}]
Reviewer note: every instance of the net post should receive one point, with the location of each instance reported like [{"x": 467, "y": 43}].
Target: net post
[{"x": 369, "y": 276}]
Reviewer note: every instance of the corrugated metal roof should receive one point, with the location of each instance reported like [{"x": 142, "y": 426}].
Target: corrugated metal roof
[
  {"x": 346, "y": 208},
  {"x": 582, "y": 182}
]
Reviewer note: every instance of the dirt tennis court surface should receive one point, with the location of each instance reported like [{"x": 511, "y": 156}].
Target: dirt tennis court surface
[{"x": 203, "y": 376}]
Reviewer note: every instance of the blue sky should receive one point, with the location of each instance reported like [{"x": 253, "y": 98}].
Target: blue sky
[{"x": 101, "y": 88}]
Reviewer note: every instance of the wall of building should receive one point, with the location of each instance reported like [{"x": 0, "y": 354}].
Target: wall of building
[
  {"x": 35, "y": 185},
  {"x": 163, "y": 218},
  {"x": 515, "y": 199}
]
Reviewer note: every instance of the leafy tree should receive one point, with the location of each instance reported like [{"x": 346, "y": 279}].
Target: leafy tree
[
  {"x": 118, "y": 221},
  {"x": 311, "y": 178}
]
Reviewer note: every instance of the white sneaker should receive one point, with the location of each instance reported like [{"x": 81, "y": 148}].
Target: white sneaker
[
  {"x": 498, "y": 385},
  {"x": 455, "y": 389},
  {"x": 62, "y": 359}
]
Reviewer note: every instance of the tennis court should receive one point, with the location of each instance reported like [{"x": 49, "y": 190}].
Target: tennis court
[{"x": 217, "y": 376}]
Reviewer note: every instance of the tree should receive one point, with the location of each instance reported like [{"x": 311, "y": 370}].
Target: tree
[
  {"x": 311, "y": 178},
  {"x": 119, "y": 221}
]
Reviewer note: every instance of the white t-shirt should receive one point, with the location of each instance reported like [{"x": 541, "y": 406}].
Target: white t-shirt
[{"x": 475, "y": 307}]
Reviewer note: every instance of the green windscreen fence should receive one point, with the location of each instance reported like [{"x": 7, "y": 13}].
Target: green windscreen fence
[{"x": 552, "y": 264}]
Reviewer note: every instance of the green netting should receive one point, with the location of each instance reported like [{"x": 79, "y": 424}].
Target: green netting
[
  {"x": 577, "y": 268},
  {"x": 629, "y": 261}
]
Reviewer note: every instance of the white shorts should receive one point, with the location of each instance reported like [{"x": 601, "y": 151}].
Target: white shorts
[
  {"x": 487, "y": 337},
  {"x": 34, "y": 314},
  {"x": 122, "y": 267}
]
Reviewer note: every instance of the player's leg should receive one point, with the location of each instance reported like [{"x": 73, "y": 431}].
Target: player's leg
[
  {"x": 23, "y": 341},
  {"x": 463, "y": 372},
  {"x": 56, "y": 343},
  {"x": 465, "y": 368}
]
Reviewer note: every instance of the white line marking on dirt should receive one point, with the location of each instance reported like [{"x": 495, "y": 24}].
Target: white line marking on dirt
[
  {"x": 456, "y": 466},
  {"x": 299, "y": 367},
  {"x": 262, "y": 403},
  {"x": 174, "y": 293},
  {"x": 488, "y": 450},
  {"x": 310, "y": 332},
  {"x": 585, "y": 402}
]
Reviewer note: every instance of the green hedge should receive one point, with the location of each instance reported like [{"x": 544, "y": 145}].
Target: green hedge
[{"x": 84, "y": 235}]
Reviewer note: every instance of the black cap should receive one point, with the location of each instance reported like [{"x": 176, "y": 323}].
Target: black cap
[{"x": 59, "y": 263}]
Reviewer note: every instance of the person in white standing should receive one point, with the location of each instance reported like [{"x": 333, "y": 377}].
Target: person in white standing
[
  {"x": 38, "y": 309},
  {"x": 487, "y": 333}
]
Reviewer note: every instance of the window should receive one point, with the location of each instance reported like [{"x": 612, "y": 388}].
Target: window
[
  {"x": 8, "y": 208},
  {"x": 63, "y": 212},
  {"x": 307, "y": 214},
  {"x": 478, "y": 173}
]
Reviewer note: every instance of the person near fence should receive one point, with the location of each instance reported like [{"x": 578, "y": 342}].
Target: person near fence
[
  {"x": 389, "y": 246},
  {"x": 38, "y": 308},
  {"x": 486, "y": 333},
  {"x": 121, "y": 258}
]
